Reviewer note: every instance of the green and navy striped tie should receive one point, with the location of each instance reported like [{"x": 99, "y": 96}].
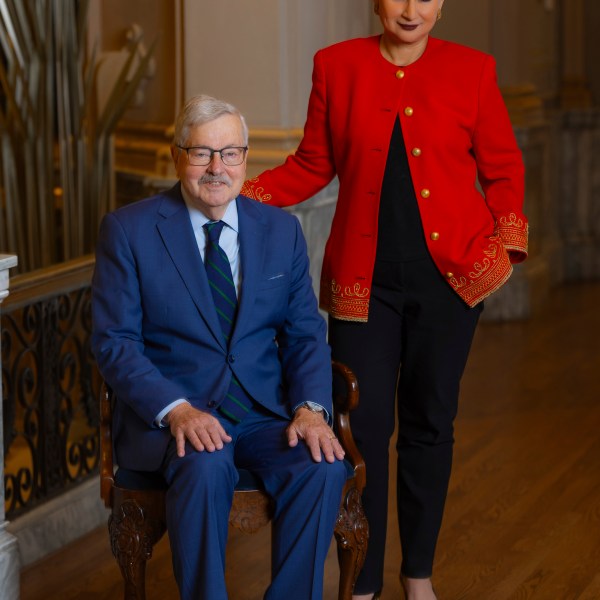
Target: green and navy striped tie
[{"x": 237, "y": 402}]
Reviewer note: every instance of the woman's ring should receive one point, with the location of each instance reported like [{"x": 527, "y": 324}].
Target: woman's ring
[{"x": 332, "y": 437}]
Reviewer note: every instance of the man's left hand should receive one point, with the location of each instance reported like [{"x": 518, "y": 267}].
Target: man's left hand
[{"x": 318, "y": 436}]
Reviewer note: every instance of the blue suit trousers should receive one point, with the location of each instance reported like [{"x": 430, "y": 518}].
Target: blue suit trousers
[{"x": 307, "y": 495}]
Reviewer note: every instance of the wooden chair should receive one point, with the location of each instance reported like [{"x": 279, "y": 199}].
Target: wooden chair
[{"x": 137, "y": 501}]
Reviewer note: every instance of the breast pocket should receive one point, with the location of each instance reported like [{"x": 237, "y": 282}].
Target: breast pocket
[
  {"x": 272, "y": 296},
  {"x": 274, "y": 281}
]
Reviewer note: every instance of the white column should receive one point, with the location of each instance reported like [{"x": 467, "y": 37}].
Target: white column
[{"x": 9, "y": 555}]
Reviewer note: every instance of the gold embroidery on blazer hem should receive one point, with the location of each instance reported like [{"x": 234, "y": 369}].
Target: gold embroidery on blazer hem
[
  {"x": 351, "y": 304},
  {"x": 514, "y": 233},
  {"x": 487, "y": 282}
]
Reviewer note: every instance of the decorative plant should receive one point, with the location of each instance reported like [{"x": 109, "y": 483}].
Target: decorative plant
[{"x": 56, "y": 180}]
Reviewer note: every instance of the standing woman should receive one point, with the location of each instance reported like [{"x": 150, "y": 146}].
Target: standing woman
[{"x": 410, "y": 124}]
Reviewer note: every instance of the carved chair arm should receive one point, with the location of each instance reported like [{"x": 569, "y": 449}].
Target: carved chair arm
[
  {"x": 106, "y": 449},
  {"x": 343, "y": 402}
]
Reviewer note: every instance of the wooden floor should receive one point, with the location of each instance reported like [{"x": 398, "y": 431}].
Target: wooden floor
[{"x": 523, "y": 513}]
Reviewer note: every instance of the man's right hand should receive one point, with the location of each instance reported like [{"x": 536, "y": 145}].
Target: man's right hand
[{"x": 201, "y": 429}]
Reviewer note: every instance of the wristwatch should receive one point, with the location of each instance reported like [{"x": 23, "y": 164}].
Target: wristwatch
[{"x": 313, "y": 407}]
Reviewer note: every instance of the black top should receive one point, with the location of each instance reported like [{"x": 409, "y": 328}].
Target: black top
[{"x": 400, "y": 236}]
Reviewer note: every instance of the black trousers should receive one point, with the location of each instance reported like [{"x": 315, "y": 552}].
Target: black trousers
[{"x": 413, "y": 349}]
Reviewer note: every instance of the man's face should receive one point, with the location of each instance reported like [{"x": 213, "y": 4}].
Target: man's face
[{"x": 212, "y": 187}]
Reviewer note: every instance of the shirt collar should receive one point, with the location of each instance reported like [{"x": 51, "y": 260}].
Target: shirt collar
[{"x": 230, "y": 218}]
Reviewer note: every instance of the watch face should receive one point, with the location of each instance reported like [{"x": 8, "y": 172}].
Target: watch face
[{"x": 312, "y": 407}]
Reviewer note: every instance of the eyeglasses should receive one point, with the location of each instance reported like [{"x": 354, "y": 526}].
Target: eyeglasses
[{"x": 201, "y": 156}]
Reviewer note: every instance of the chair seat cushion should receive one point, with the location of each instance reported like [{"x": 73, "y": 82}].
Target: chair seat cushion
[{"x": 153, "y": 480}]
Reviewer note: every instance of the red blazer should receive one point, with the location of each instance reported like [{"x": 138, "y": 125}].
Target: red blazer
[{"x": 456, "y": 130}]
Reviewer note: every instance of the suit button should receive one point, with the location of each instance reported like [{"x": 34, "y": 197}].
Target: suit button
[
  {"x": 416, "y": 151},
  {"x": 434, "y": 236},
  {"x": 425, "y": 193},
  {"x": 230, "y": 358},
  {"x": 449, "y": 275},
  {"x": 211, "y": 404},
  {"x": 408, "y": 111},
  {"x": 399, "y": 74}
]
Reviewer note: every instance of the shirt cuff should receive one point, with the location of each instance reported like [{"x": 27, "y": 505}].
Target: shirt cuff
[{"x": 162, "y": 414}]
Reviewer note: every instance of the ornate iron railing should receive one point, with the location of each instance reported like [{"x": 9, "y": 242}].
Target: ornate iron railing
[{"x": 50, "y": 385}]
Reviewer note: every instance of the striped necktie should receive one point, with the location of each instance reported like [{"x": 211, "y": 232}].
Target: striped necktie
[{"x": 237, "y": 402}]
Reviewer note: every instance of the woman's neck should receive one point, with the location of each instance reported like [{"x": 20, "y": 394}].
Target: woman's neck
[{"x": 402, "y": 54}]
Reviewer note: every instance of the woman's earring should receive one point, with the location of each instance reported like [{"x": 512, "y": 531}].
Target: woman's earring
[{"x": 439, "y": 16}]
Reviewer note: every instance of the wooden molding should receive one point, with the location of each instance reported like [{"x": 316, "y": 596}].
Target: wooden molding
[{"x": 524, "y": 104}]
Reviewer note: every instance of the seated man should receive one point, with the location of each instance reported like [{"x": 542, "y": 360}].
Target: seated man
[{"x": 206, "y": 327}]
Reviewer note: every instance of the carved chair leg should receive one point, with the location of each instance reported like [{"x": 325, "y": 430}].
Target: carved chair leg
[
  {"x": 352, "y": 535},
  {"x": 132, "y": 537}
]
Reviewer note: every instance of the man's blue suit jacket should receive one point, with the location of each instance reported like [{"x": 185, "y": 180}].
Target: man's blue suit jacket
[{"x": 156, "y": 335}]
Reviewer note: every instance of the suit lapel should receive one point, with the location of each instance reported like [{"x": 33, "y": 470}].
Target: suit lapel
[
  {"x": 253, "y": 245},
  {"x": 178, "y": 237}
]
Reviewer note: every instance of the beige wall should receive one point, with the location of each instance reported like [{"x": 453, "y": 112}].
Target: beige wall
[{"x": 259, "y": 55}]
